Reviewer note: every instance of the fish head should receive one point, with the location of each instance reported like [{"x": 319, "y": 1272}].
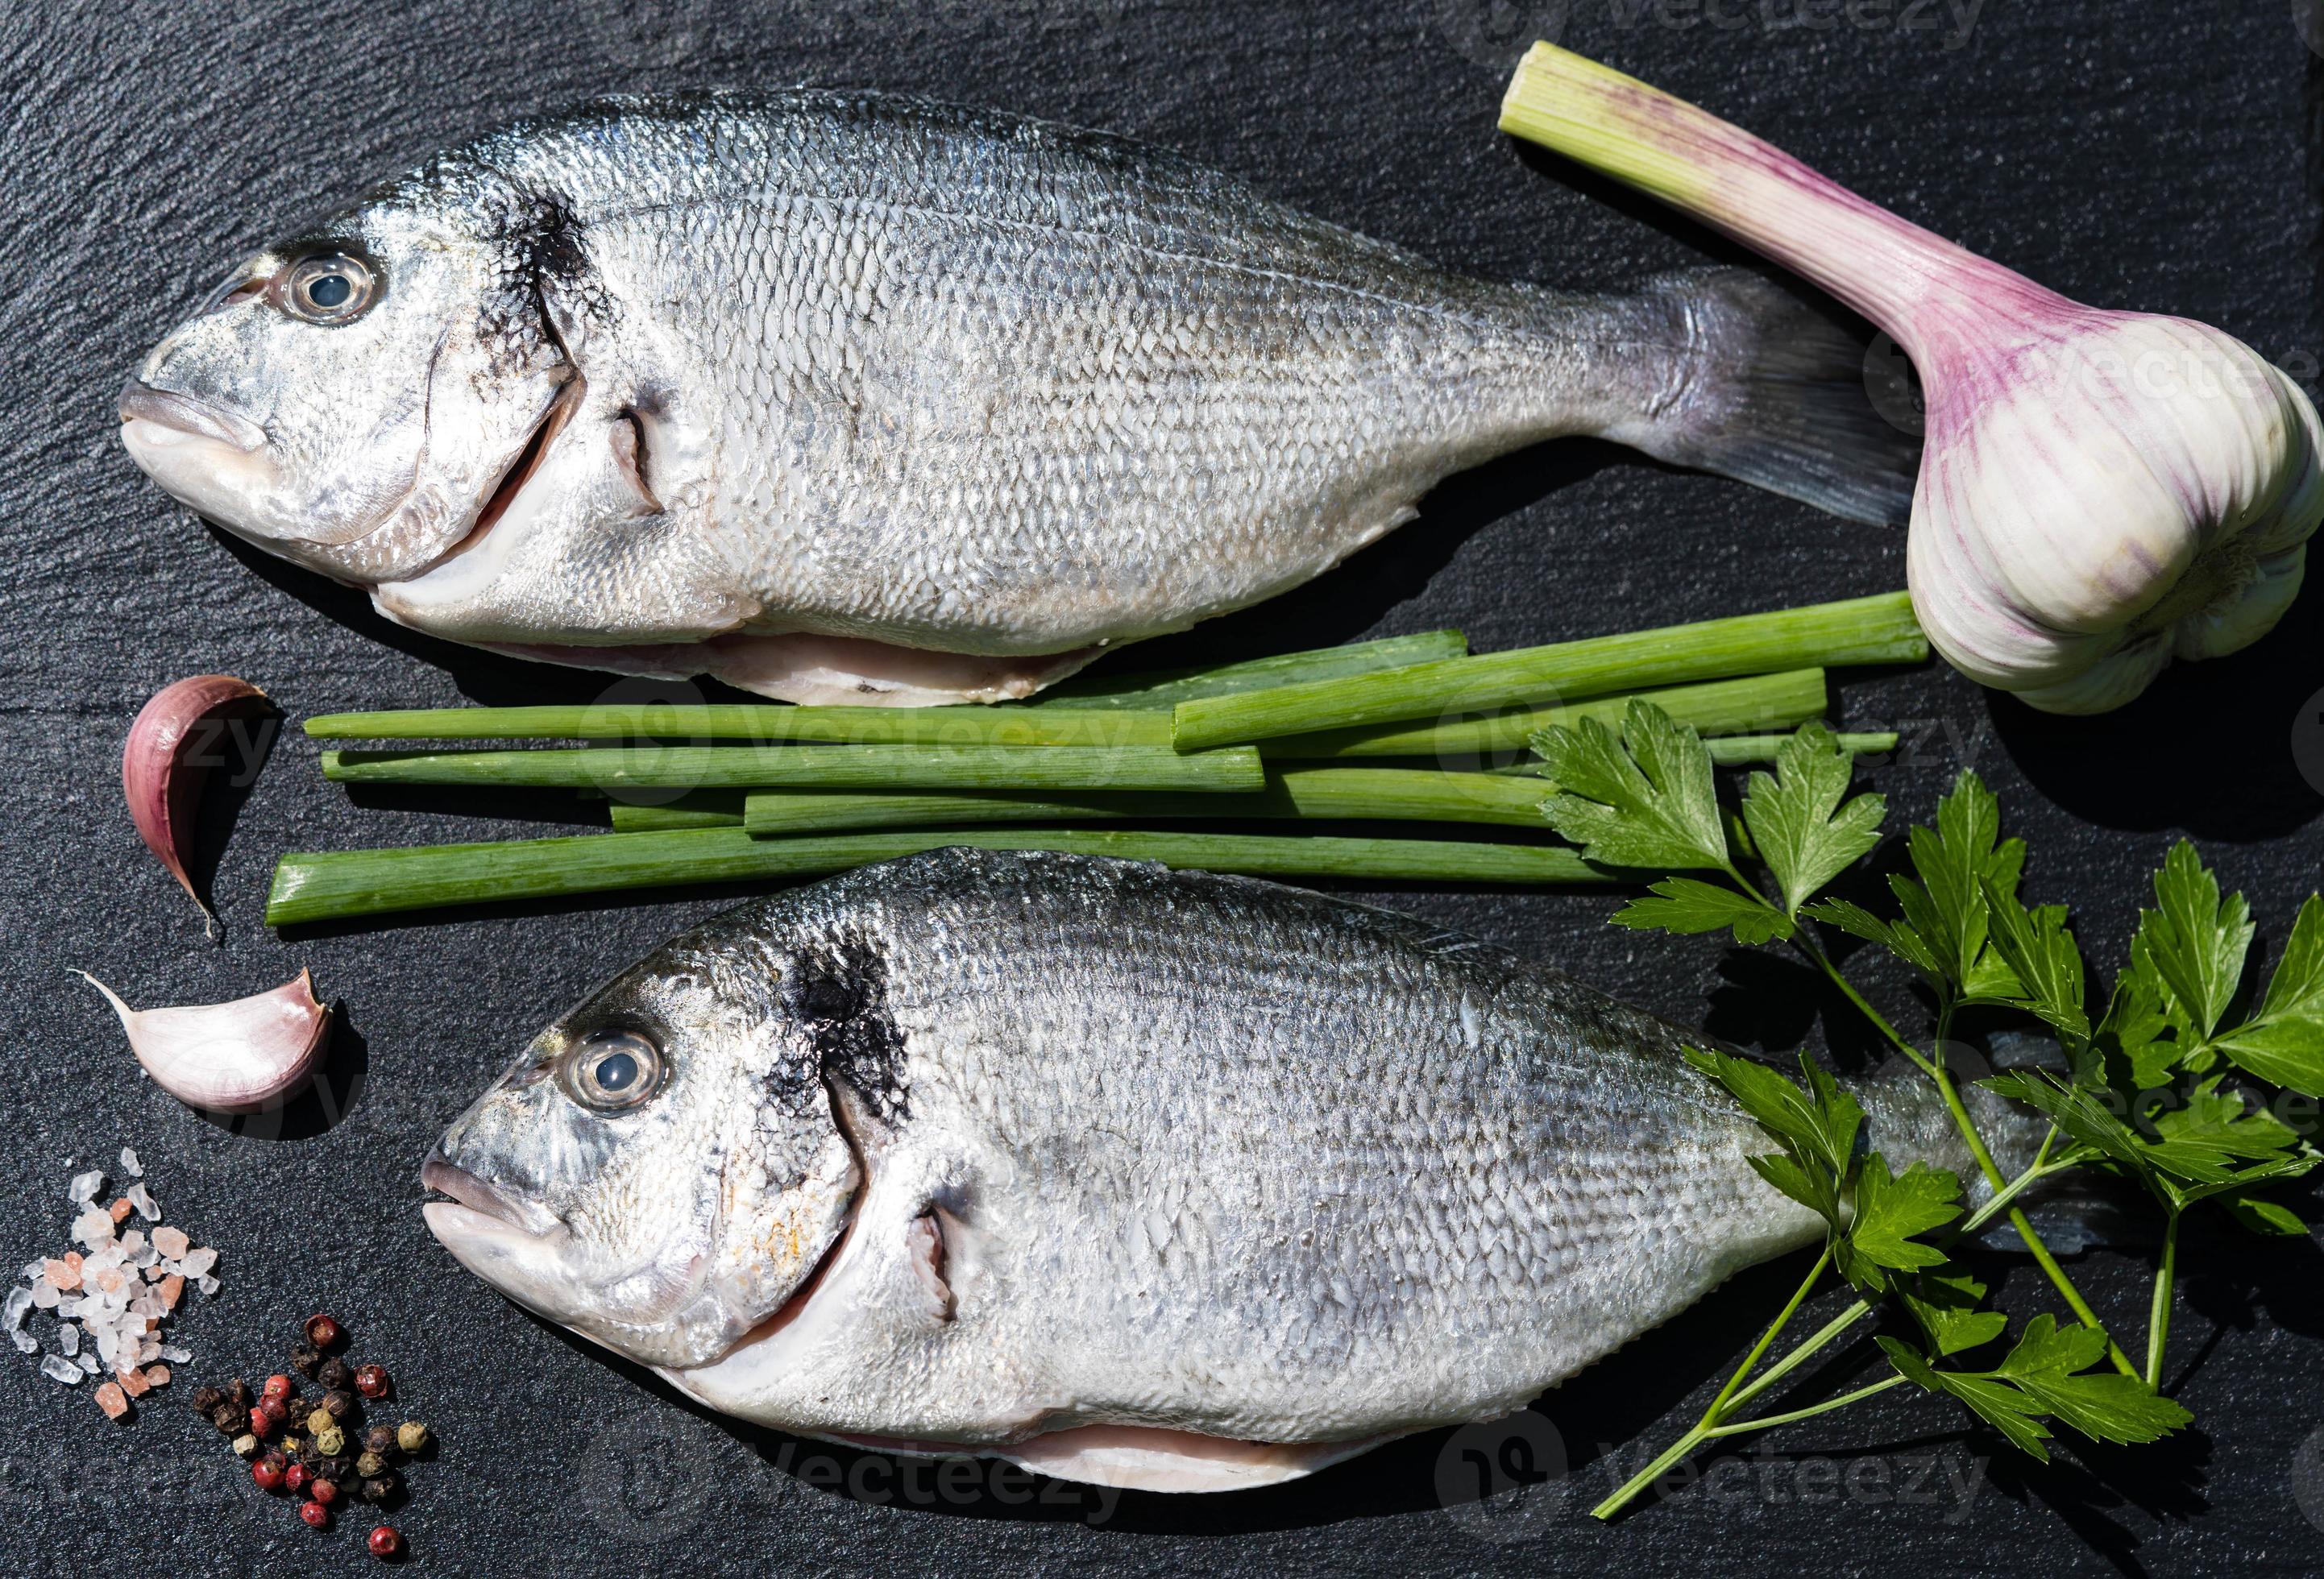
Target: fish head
[
  {"x": 661, "y": 1169},
  {"x": 353, "y": 399}
]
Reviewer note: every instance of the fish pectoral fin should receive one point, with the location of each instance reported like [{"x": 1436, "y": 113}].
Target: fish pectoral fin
[
  {"x": 924, "y": 1246},
  {"x": 1152, "y": 1458}
]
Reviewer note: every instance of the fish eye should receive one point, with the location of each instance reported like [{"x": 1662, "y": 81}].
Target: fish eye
[
  {"x": 328, "y": 287},
  {"x": 610, "y": 1071}
]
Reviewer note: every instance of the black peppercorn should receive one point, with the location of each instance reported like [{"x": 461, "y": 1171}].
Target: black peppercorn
[
  {"x": 380, "y": 1439},
  {"x": 237, "y": 1393},
  {"x": 230, "y": 1420},
  {"x": 335, "y": 1373},
  {"x": 371, "y": 1465},
  {"x": 378, "y": 1489},
  {"x": 339, "y": 1469},
  {"x": 207, "y": 1399},
  {"x": 306, "y": 1359},
  {"x": 340, "y": 1403}
]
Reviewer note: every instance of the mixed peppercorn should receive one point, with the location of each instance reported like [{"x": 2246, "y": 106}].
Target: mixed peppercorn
[{"x": 318, "y": 1449}]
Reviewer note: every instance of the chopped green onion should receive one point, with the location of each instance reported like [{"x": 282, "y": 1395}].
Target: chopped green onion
[
  {"x": 1167, "y": 688},
  {"x": 1756, "y": 702},
  {"x": 703, "y": 809},
  {"x": 1345, "y": 793},
  {"x": 336, "y": 885},
  {"x": 1735, "y": 751},
  {"x": 1128, "y": 709},
  {"x": 1875, "y": 629},
  {"x": 766, "y": 724},
  {"x": 831, "y": 767}
]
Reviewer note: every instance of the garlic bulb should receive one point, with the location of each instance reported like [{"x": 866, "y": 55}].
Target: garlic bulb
[{"x": 2100, "y": 492}]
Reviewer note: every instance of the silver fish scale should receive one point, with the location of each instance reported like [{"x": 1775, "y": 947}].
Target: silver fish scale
[
  {"x": 993, "y": 386},
  {"x": 1259, "y": 1163}
]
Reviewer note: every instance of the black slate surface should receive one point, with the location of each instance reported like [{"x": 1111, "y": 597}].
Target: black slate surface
[{"x": 2151, "y": 156}]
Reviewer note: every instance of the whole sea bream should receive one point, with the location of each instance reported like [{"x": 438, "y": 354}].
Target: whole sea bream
[
  {"x": 1135, "y": 1177},
  {"x": 846, "y": 397}
]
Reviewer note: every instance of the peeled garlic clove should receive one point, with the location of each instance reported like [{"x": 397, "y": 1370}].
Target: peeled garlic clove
[
  {"x": 246, "y": 1056},
  {"x": 176, "y": 742}
]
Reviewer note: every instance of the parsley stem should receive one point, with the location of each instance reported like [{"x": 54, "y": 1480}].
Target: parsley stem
[
  {"x": 1802, "y": 1354},
  {"x": 2158, "y": 1320},
  {"x": 1842, "y": 1402},
  {"x": 1768, "y": 1338}
]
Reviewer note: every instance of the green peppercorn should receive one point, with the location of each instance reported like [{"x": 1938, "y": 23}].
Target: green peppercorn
[
  {"x": 333, "y": 1372},
  {"x": 207, "y": 1399},
  {"x": 306, "y": 1359},
  {"x": 340, "y": 1403},
  {"x": 330, "y": 1442},
  {"x": 380, "y": 1439},
  {"x": 230, "y": 1420},
  {"x": 320, "y": 1421},
  {"x": 371, "y": 1465},
  {"x": 411, "y": 1436},
  {"x": 246, "y": 1444}
]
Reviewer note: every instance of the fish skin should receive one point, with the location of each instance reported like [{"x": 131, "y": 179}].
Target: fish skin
[
  {"x": 1155, "y": 1149},
  {"x": 820, "y": 365}
]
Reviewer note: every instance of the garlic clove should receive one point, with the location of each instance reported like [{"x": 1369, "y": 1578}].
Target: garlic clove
[
  {"x": 173, "y": 746},
  {"x": 245, "y": 1056}
]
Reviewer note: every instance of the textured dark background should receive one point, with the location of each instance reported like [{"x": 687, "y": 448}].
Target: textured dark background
[{"x": 2151, "y": 156}]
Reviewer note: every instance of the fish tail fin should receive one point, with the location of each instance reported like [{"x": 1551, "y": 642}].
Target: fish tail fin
[{"x": 1766, "y": 387}]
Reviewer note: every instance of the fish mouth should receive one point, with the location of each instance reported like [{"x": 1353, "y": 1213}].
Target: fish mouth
[
  {"x": 164, "y": 417},
  {"x": 478, "y": 1204}
]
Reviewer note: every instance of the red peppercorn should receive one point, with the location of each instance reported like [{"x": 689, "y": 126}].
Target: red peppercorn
[
  {"x": 322, "y": 1331},
  {"x": 384, "y": 1542},
  {"x": 274, "y": 1408},
  {"x": 262, "y": 1424},
  {"x": 371, "y": 1381},
  {"x": 322, "y": 1490},
  {"x": 295, "y": 1478},
  {"x": 315, "y": 1514},
  {"x": 277, "y": 1386},
  {"x": 268, "y": 1471}
]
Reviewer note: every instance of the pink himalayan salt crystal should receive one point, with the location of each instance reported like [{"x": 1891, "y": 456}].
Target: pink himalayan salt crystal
[
  {"x": 195, "y": 1262},
  {"x": 171, "y": 1241},
  {"x": 157, "y": 1376},
  {"x": 121, "y": 1209},
  {"x": 132, "y": 1241},
  {"x": 173, "y": 1287},
  {"x": 112, "y": 1400},
  {"x": 110, "y": 1281},
  {"x": 61, "y": 1275},
  {"x": 132, "y": 1383},
  {"x": 92, "y": 1228}
]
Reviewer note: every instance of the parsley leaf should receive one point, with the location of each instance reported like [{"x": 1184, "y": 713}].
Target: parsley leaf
[
  {"x": 2042, "y": 955},
  {"x": 1945, "y": 1302},
  {"x": 2284, "y": 1042},
  {"x": 2048, "y": 1364},
  {"x": 1683, "y": 904},
  {"x": 1890, "y": 1208},
  {"x": 1647, "y": 800},
  {"x": 1816, "y": 1126},
  {"x": 1997, "y": 1403},
  {"x": 2194, "y": 942},
  {"x": 1798, "y": 825}
]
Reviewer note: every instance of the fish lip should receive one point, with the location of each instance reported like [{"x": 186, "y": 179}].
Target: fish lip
[
  {"x": 487, "y": 1200},
  {"x": 143, "y": 402}
]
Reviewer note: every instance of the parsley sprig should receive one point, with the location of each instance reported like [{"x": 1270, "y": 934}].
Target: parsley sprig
[{"x": 2166, "y": 1086}]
